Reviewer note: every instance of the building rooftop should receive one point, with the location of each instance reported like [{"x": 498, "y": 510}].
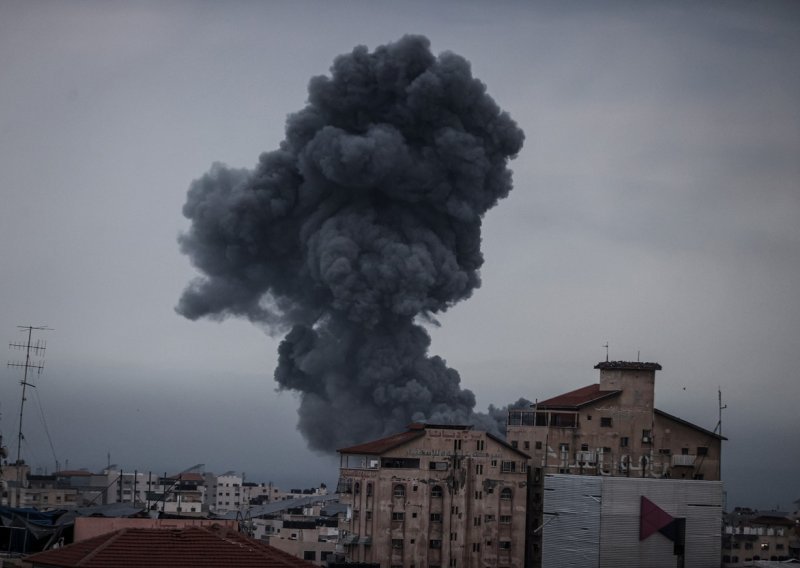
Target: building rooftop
[
  {"x": 195, "y": 547},
  {"x": 628, "y": 365},
  {"x": 382, "y": 445},
  {"x": 573, "y": 400},
  {"x": 689, "y": 424},
  {"x": 415, "y": 430}
]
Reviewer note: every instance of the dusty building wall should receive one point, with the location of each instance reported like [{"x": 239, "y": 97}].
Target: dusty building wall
[
  {"x": 453, "y": 495},
  {"x": 691, "y": 454},
  {"x": 618, "y": 433}
]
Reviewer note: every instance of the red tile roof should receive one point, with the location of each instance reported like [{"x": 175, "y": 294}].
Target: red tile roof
[
  {"x": 382, "y": 445},
  {"x": 195, "y": 547},
  {"x": 575, "y": 399}
]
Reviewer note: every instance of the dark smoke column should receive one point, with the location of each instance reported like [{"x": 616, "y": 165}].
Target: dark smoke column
[{"x": 366, "y": 219}]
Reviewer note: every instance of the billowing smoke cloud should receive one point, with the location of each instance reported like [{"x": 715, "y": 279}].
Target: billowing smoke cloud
[{"x": 365, "y": 222}]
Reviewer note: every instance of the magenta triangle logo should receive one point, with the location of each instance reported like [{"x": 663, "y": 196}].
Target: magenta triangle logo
[{"x": 652, "y": 518}]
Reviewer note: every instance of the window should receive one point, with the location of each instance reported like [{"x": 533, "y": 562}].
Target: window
[
  {"x": 398, "y": 516},
  {"x": 479, "y": 469},
  {"x": 436, "y": 517},
  {"x": 527, "y": 445},
  {"x": 436, "y": 491},
  {"x": 508, "y": 466},
  {"x": 505, "y": 545},
  {"x": 584, "y": 447},
  {"x": 505, "y": 494},
  {"x": 538, "y": 445},
  {"x": 369, "y": 515},
  {"x": 588, "y": 417},
  {"x": 480, "y": 445},
  {"x": 438, "y": 465},
  {"x": 623, "y": 441},
  {"x": 488, "y": 518},
  {"x": 453, "y": 536},
  {"x": 494, "y": 463},
  {"x": 435, "y": 543},
  {"x": 476, "y": 547},
  {"x": 684, "y": 451},
  {"x": 309, "y": 555},
  {"x": 478, "y": 495},
  {"x": 397, "y": 543},
  {"x": 399, "y": 491},
  {"x": 369, "y": 489},
  {"x": 505, "y": 519},
  {"x": 605, "y": 421},
  {"x": 456, "y": 445},
  {"x": 357, "y": 488},
  {"x": 514, "y": 444},
  {"x": 665, "y": 451},
  {"x": 702, "y": 451}
]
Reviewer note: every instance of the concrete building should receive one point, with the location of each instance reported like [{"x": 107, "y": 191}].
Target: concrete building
[
  {"x": 434, "y": 496},
  {"x": 613, "y": 428},
  {"x": 224, "y": 492},
  {"x": 752, "y": 536}
]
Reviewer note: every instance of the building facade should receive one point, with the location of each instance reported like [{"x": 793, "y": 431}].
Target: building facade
[
  {"x": 752, "y": 536},
  {"x": 613, "y": 428},
  {"x": 434, "y": 496}
]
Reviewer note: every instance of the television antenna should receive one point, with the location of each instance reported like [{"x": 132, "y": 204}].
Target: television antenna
[{"x": 29, "y": 367}]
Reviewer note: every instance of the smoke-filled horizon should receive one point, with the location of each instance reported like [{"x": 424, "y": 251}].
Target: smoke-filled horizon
[{"x": 365, "y": 222}]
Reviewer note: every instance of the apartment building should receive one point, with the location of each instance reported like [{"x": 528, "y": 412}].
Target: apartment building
[
  {"x": 613, "y": 428},
  {"x": 434, "y": 496},
  {"x": 753, "y": 536}
]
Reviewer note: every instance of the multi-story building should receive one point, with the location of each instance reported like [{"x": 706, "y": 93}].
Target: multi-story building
[
  {"x": 751, "y": 536},
  {"x": 304, "y": 531},
  {"x": 613, "y": 428},
  {"x": 225, "y": 492},
  {"x": 434, "y": 496}
]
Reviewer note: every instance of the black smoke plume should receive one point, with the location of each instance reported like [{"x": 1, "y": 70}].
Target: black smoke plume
[{"x": 364, "y": 222}]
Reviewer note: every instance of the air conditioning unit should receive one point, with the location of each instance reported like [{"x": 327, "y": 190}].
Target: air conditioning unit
[{"x": 645, "y": 439}]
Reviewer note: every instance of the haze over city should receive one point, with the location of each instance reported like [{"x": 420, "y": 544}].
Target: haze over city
[{"x": 655, "y": 209}]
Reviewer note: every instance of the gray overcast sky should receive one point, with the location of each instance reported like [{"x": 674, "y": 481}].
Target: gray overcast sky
[{"x": 656, "y": 207}]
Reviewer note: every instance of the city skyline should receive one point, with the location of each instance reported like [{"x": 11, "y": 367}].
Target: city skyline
[{"x": 654, "y": 208}]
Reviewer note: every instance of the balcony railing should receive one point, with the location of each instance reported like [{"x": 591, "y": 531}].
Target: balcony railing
[{"x": 684, "y": 460}]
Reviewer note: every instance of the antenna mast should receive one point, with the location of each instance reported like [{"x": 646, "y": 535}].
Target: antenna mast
[{"x": 37, "y": 350}]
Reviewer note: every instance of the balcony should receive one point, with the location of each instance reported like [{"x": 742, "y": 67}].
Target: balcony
[
  {"x": 585, "y": 457},
  {"x": 683, "y": 460}
]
